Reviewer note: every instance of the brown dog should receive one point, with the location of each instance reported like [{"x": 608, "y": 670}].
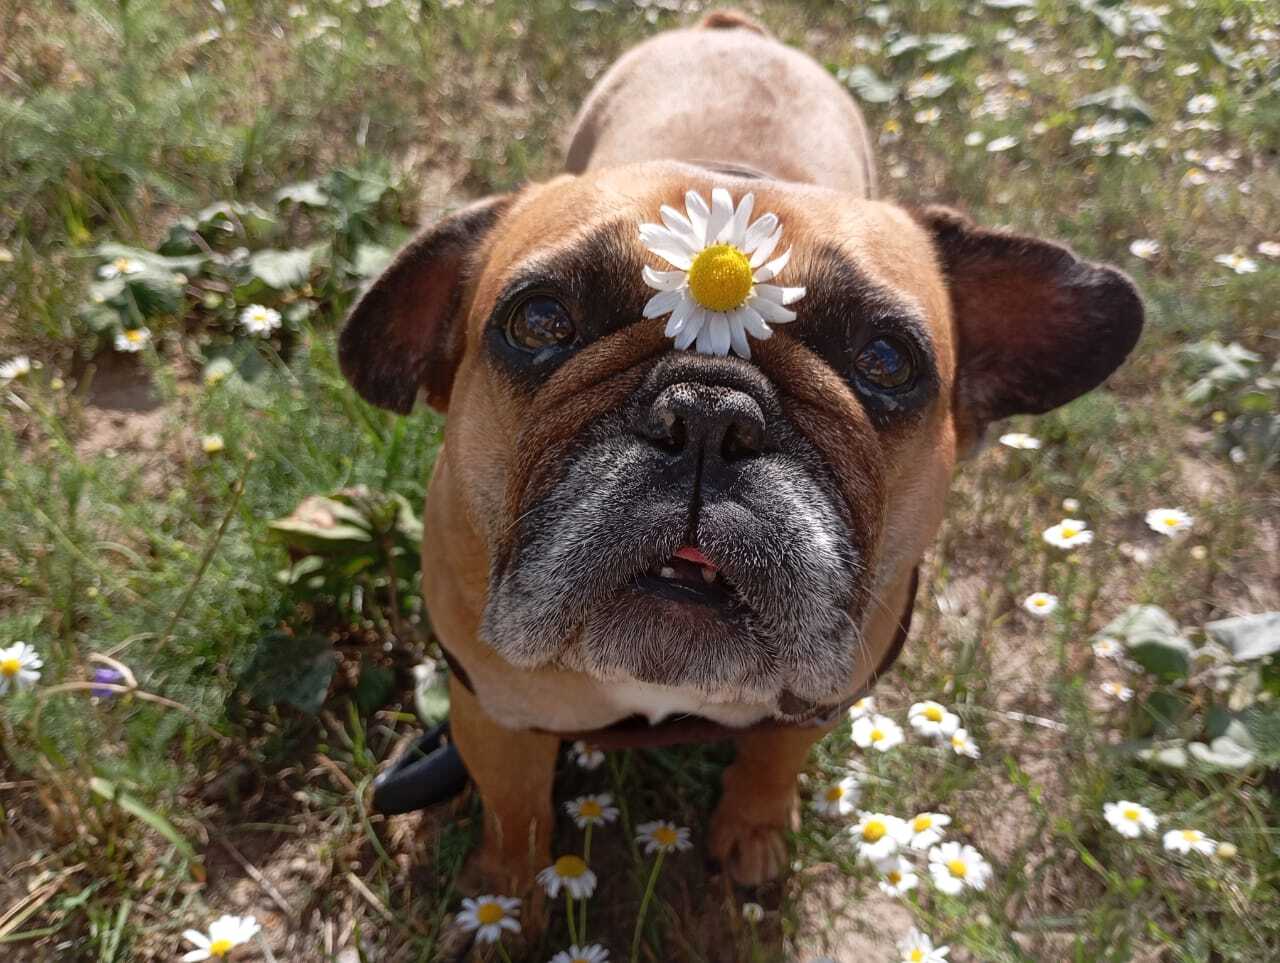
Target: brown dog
[{"x": 617, "y": 528}]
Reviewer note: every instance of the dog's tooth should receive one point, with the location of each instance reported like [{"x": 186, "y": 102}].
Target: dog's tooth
[
  {"x": 667, "y": 572},
  {"x": 708, "y": 575}
]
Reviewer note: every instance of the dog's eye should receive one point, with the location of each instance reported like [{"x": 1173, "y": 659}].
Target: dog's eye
[
  {"x": 887, "y": 364},
  {"x": 539, "y": 322}
]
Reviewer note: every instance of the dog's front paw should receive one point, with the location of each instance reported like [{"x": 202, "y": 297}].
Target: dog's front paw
[{"x": 750, "y": 841}]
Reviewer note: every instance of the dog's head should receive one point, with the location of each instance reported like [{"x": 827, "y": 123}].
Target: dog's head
[{"x": 688, "y": 519}]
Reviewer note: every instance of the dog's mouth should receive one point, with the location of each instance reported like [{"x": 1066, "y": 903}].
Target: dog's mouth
[{"x": 689, "y": 576}]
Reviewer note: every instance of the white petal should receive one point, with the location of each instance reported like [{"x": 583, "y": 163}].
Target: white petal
[
  {"x": 666, "y": 244},
  {"x": 757, "y": 232},
  {"x": 738, "y": 336},
  {"x": 673, "y": 255},
  {"x": 779, "y": 295},
  {"x": 720, "y": 336},
  {"x": 194, "y": 956},
  {"x": 721, "y": 211},
  {"x": 692, "y": 328},
  {"x": 754, "y": 323},
  {"x": 698, "y": 212},
  {"x": 679, "y": 225},
  {"x": 737, "y": 230},
  {"x": 765, "y": 248},
  {"x": 663, "y": 280},
  {"x": 772, "y": 312},
  {"x": 662, "y": 302},
  {"x": 706, "y": 339},
  {"x": 196, "y": 937},
  {"x": 774, "y": 267},
  {"x": 680, "y": 317}
]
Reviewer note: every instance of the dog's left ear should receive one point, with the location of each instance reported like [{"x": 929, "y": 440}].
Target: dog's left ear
[{"x": 1036, "y": 325}]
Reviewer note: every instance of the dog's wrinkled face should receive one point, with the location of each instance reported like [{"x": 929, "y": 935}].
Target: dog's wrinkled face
[{"x": 710, "y": 522}]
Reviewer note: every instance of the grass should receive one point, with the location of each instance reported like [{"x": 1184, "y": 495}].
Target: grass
[{"x": 129, "y": 818}]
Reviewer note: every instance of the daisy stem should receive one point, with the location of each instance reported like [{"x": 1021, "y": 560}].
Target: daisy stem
[
  {"x": 502, "y": 952},
  {"x": 644, "y": 905},
  {"x": 586, "y": 858},
  {"x": 573, "y": 928}
]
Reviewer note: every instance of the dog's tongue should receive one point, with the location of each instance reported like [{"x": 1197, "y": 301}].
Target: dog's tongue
[{"x": 691, "y": 554}]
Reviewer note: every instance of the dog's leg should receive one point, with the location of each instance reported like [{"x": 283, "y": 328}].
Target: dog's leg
[
  {"x": 513, "y": 771},
  {"x": 759, "y": 803}
]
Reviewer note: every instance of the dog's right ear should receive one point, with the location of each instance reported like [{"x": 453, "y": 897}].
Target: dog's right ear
[{"x": 405, "y": 334}]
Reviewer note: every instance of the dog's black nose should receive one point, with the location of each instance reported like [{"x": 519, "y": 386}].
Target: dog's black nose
[{"x": 714, "y": 421}]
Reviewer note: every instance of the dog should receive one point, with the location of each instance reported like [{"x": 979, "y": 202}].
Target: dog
[{"x": 640, "y": 533}]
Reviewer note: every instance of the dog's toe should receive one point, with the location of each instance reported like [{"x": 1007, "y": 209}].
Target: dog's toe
[{"x": 752, "y": 854}]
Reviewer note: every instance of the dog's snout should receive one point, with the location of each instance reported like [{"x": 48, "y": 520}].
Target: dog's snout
[{"x": 714, "y": 421}]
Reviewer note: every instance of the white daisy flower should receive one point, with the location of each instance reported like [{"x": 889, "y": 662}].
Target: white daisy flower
[
  {"x": 15, "y": 368},
  {"x": 1269, "y": 248},
  {"x": 933, "y": 719},
  {"x": 877, "y": 732},
  {"x": 1071, "y": 505},
  {"x": 1107, "y": 648},
  {"x": 1186, "y": 70},
  {"x": 974, "y": 138},
  {"x": 1001, "y": 144},
  {"x": 1117, "y": 691},
  {"x": 571, "y": 873},
  {"x": 212, "y": 444},
  {"x": 595, "y": 953},
  {"x": 927, "y": 829},
  {"x": 963, "y": 745},
  {"x": 1202, "y": 104},
  {"x": 1040, "y": 604},
  {"x": 488, "y": 916},
  {"x": 955, "y": 866},
  {"x": 1020, "y": 440},
  {"x": 898, "y": 878},
  {"x": 133, "y": 340},
  {"x": 1129, "y": 818},
  {"x": 916, "y": 947},
  {"x": 930, "y": 115},
  {"x": 1145, "y": 248},
  {"x": 718, "y": 293},
  {"x": 1068, "y": 533},
  {"x": 879, "y": 836},
  {"x": 1188, "y": 840},
  {"x": 259, "y": 320},
  {"x": 753, "y": 913},
  {"x": 1237, "y": 262},
  {"x": 1169, "y": 521},
  {"x": 592, "y": 810},
  {"x": 586, "y": 756},
  {"x": 225, "y": 934},
  {"x": 217, "y": 371},
  {"x": 837, "y": 800},
  {"x": 862, "y": 707},
  {"x": 120, "y": 267},
  {"x": 19, "y": 666},
  {"x": 663, "y": 836}
]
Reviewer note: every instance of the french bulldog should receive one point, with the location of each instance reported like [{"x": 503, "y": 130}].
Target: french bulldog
[{"x": 683, "y": 492}]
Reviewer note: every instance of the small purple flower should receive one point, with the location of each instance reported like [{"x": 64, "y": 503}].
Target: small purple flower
[{"x": 108, "y": 677}]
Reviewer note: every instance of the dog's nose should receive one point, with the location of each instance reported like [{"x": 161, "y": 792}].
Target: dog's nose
[{"x": 717, "y": 422}]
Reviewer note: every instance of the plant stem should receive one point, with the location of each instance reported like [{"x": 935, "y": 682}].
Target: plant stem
[
  {"x": 586, "y": 858},
  {"x": 502, "y": 952},
  {"x": 573, "y": 928},
  {"x": 644, "y": 906}
]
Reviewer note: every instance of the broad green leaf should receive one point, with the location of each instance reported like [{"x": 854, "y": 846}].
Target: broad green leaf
[
  {"x": 1248, "y": 636},
  {"x": 431, "y": 692},
  {"x": 864, "y": 82},
  {"x": 371, "y": 260},
  {"x": 1119, "y": 100},
  {"x": 1152, "y": 639},
  {"x": 306, "y": 193},
  {"x": 1234, "y": 750},
  {"x": 291, "y": 670},
  {"x": 281, "y": 270},
  {"x": 376, "y": 687}
]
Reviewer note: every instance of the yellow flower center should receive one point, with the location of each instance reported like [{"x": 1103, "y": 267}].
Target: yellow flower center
[
  {"x": 720, "y": 278},
  {"x": 590, "y": 809},
  {"x": 1171, "y": 521},
  {"x": 834, "y": 793},
  {"x": 134, "y": 336},
  {"x": 895, "y": 877},
  {"x": 221, "y": 947},
  {"x": 1069, "y": 532},
  {"x": 489, "y": 913},
  {"x": 665, "y": 836},
  {"x": 957, "y": 867},
  {"x": 921, "y": 823},
  {"x": 10, "y": 667},
  {"x": 122, "y": 264},
  {"x": 917, "y": 956},
  {"x": 1131, "y": 814},
  {"x": 877, "y": 735},
  {"x": 1191, "y": 835},
  {"x": 874, "y": 831},
  {"x": 1040, "y": 603},
  {"x": 570, "y": 867},
  {"x": 933, "y": 713}
]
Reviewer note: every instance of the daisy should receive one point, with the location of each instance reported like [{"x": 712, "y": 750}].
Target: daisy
[
  {"x": 863, "y": 707},
  {"x": 877, "y": 732},
  {"x": 916, "y": 947},
  {"x": 837, "y": 800},
  {"x": 133, "y": 340},
  {"x": 1068, "y": 533},
  {"x": 15, "y": 368},
  {"x": 927, "y": 829},
  {"x": 933, "y": 719},
  {"x": 899, "y": 876},
  {"x": 587, "y": 756},
  {"x": 217, "y": 371},
  {"x": 259, "y": 320},
  {"x": 1186, "y": 70},
  {"x": 1202, "y": 104},
  {"x": 1117, "y": 691},
  {"x": 120, "y": 267},
  {"x": 974, "y": 138},
  {"x": 1001, "y": 144},
  {"x": 662, "y": 836},
  {"x": 718, "y": 293},
  {"x": 930, "y": 115},
  {"x": 595, "y": 953},
  {"x": 1071, "y": 505},
  {"x": 488, "y": 916},
  {"x": 1040, "y": 604},
  {"x": 963, "y": 745},
  {"x": 1020, "y": 440},
  {"x": 589, "y": 810},
  {"x": 570, "y": 872},
  {"x": 1186, "y": 840},
  {"x": 1130, "y": 819},
  {"x": 879, "y": 836},
  {"x": 1169, "y": 521},
  {"x": 19, "y": 666},
  {"x": 1237, "y": 262},
  {"x": 1269, "y": 248},
  {"x": 954, "y": 867},
  {"x": 225, "y": 934},
  {"x": 1144, "y": 248},
  {"x": 1107, "y": 649},
  {"x": 753, "y": 913},
  {"x": 212, "y": 444}
]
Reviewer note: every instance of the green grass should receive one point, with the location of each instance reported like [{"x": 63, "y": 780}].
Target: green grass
[{"x": 124, "y": 538}]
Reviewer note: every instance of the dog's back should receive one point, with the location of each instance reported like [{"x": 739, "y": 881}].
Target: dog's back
[{"x": 725, "y": 93}]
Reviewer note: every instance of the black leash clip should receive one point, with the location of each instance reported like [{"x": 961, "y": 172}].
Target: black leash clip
[{"x": 430, "y": 771}]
